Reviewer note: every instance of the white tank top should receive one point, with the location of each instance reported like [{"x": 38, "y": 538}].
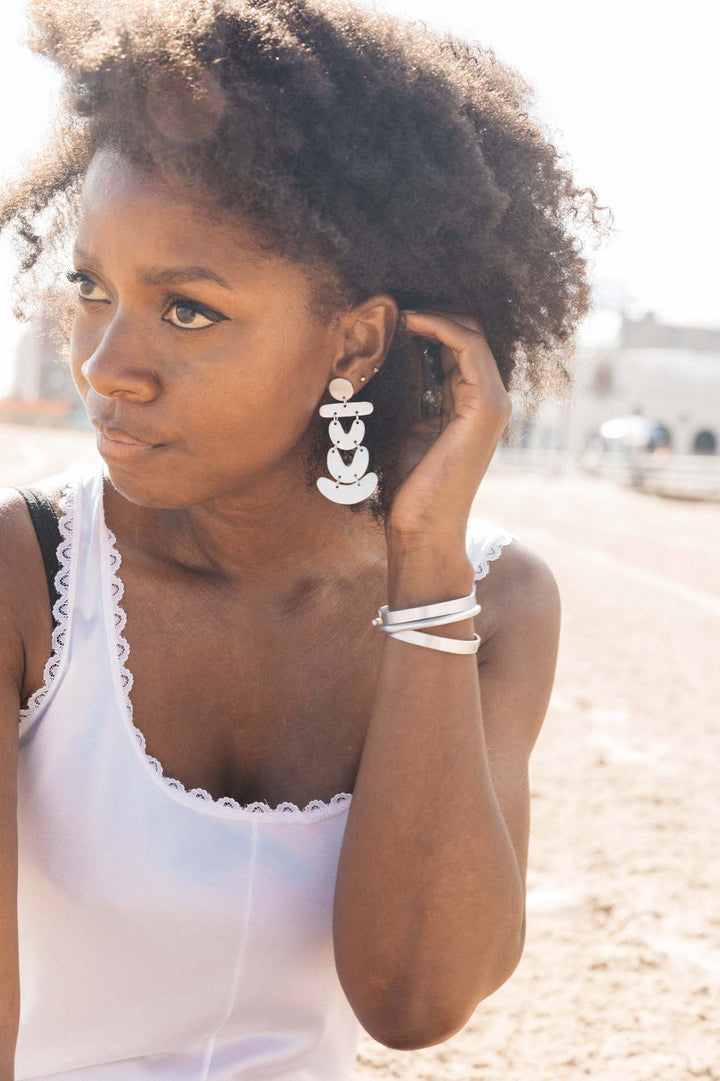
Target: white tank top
[{"x": 163, "y": 933}]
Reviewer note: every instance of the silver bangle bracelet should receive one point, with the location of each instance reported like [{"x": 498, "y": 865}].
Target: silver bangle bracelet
[
  {"x": 433, "y": 641},
  {"x": 438, "y": 621},
  {"x": 423, "y": 611}
]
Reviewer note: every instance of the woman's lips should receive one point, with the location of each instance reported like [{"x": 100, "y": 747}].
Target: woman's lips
[{"x": 118, "y": 444}]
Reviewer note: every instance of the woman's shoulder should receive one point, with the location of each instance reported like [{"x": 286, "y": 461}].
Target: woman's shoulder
[
  {"x": 20, "y": 557},
  {"x": 24, "y": 612},
  {"x": 511, "y": 577},
  {"x": 23, "y": 592},
  {"x": 52, "y": 487},
  {"x": 487, "y": 540}
]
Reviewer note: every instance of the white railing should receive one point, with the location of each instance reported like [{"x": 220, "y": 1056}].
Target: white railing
[{"x": 691, "y": 476}]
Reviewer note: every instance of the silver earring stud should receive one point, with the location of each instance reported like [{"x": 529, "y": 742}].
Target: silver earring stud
[{"x": 352, "y": 482}]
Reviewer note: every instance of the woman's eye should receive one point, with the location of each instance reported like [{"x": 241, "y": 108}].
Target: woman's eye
[
  {"x": 184, "y": 313},
  {"x": 86, "y": 286},
  {"x": 186, "y": 316}
]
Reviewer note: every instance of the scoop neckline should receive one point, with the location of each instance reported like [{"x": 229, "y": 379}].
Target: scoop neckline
[{"x": 198, "y": 799}]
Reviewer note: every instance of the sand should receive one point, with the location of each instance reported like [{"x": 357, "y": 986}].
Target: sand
[{"x": 620, "y": 978}]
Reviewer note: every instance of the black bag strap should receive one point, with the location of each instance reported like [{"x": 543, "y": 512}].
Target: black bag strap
[{"x": 48, "y": 535}]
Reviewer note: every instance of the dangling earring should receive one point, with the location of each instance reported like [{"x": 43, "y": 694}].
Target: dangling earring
[{"x": 352, "y": 483}]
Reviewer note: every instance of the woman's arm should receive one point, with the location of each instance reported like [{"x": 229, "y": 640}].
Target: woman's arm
[
  {"x": 16, "y": 534},
  {"x": 429, "y": 902}
]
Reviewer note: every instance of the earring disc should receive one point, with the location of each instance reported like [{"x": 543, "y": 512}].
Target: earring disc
[{"x": 340, "y": 389}]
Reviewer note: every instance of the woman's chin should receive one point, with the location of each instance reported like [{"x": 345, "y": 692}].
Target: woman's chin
[{"x": 163, "y": 488}]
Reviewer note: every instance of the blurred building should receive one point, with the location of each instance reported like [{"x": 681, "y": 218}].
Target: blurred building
[
  {"x": 669, "y": 374},
  {"x": 42, "y": 390}
]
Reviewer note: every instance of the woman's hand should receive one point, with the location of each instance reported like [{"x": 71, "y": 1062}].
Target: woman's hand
[{"x": 435, "y": 500}]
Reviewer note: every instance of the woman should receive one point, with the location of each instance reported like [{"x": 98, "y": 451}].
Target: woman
[{"x": 257, "y": 801}]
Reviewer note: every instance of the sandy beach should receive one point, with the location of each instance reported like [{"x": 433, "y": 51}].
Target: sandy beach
[{"x": 621, "y": 973}]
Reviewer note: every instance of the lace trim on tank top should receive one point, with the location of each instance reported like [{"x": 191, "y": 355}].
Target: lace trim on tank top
[
  {"x": 312, "y": 811},
  {"x": 61, "y": 608},
  {"x": 482, "y": 562}
]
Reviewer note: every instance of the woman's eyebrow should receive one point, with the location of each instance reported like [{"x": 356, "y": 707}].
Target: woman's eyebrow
[
  {"x": 156, "y": 275},
  {"x": 174, "y": 275}
]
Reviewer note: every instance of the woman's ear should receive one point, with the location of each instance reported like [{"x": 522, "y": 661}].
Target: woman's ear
[{"x": 366, "y": 335}]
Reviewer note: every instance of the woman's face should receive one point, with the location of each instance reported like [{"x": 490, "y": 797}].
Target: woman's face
[{"x": 203, "y": 349}]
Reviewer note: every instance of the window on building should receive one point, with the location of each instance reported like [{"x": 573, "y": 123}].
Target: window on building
[{"x": 705, "y": 442}]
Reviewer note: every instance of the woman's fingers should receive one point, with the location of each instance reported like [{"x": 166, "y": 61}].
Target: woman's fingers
[{"x": 465, "y": 348}]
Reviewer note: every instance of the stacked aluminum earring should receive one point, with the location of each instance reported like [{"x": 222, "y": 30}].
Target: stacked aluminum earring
[{"x": 351, "y": 482}]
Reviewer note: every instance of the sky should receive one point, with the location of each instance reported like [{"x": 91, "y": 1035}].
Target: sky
[{"x": 628, "y": 90}]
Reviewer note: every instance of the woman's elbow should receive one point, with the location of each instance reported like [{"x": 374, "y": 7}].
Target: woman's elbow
[
  {"x": 410, "y": 1025},
  {"x": 402, "y": 1034}
]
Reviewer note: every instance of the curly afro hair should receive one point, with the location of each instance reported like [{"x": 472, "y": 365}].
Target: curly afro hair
[{"x": 380, "y": 155}]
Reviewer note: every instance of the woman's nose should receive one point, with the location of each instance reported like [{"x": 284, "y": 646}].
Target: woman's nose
[{"x": 118, "y": 368}]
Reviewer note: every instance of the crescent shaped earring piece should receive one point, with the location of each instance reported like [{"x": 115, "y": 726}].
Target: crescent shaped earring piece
[{"x": 351, "y": 483}]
